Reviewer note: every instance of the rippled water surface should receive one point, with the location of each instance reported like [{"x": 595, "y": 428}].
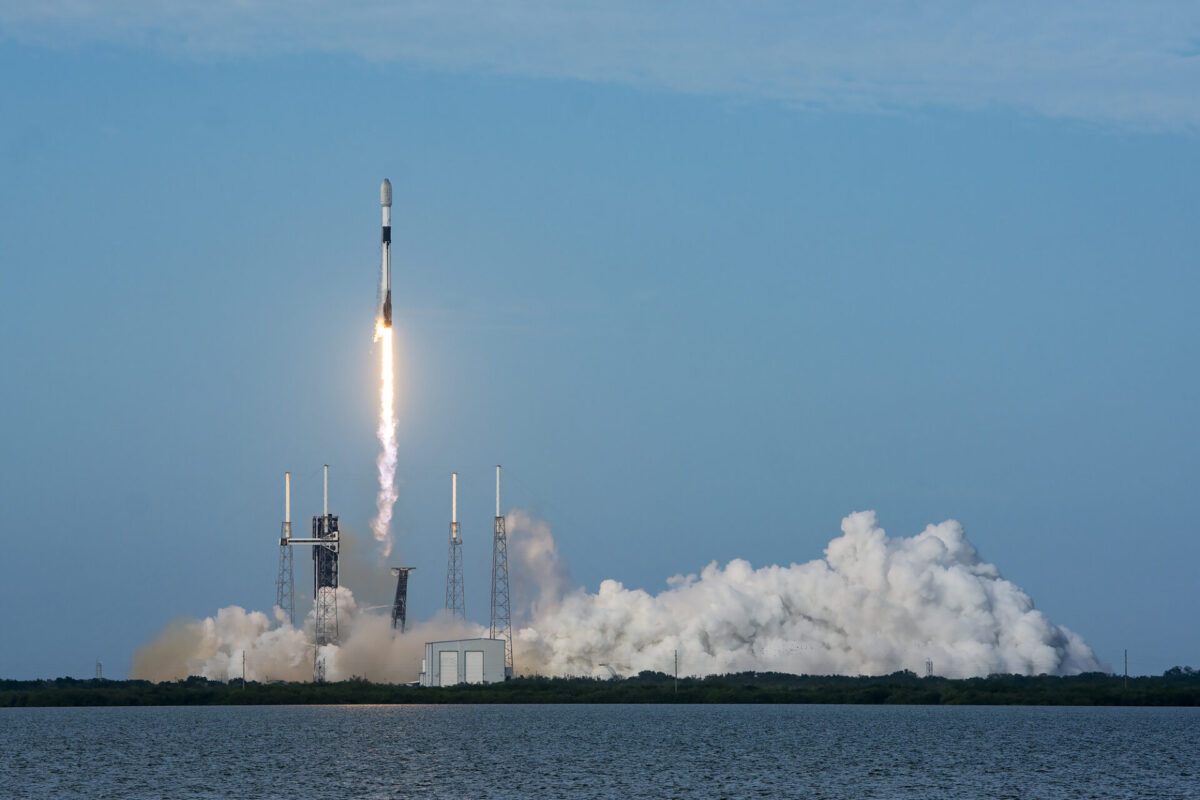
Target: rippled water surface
[{"x": 599, "y": 751}]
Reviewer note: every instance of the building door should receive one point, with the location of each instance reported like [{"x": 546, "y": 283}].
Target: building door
[
  {"x": 447, "y": 667},
  {"x": 474, "y": 666}
]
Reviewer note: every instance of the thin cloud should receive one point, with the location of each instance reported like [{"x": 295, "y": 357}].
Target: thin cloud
[{"x": 1132, "y": 64}]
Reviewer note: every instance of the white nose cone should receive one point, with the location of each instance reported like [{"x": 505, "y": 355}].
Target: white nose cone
[{"x": 385, "y": 193}]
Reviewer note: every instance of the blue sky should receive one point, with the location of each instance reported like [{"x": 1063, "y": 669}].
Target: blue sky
[{"x": 704, "y": 284}]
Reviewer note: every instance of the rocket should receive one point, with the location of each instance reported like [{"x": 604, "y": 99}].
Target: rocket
[{"x": 385, "y": 268}]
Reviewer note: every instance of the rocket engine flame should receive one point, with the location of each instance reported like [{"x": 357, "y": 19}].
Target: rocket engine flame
[{"x": 385, "y": 500}]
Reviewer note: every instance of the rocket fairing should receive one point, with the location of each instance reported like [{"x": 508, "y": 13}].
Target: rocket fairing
[{"x": 385, "y": 268}]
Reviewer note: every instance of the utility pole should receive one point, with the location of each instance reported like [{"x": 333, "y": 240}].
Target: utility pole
[
  {"x": 1126, "y": 668},
  {"x": 676, "y": 672}
]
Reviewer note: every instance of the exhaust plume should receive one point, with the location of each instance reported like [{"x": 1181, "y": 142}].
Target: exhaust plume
[
  {"x": 370, "y": 648},
  {"x": 540, "y": 578},
  {"x": 872, "y": 606},
  {"x": 385, "y": 500}
]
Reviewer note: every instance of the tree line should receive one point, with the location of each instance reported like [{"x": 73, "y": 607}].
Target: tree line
[{"x": 1178, "y": 686}]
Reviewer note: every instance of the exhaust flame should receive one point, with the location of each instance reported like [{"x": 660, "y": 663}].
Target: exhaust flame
[{"x": 385, "y": 500}]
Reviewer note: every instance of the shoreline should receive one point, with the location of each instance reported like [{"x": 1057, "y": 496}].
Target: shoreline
[{"x": 1175, "y": 688}]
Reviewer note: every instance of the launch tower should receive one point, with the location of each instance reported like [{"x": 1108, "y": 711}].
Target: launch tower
[
  {"x": 501, "y": 625},
  {"x": 325, "y": 571},
  {"x": 325, "y": 542},
  {"x": 455, "y": 603}
]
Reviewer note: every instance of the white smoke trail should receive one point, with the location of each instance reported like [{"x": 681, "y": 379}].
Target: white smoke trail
[
  {"x": 385, "y": 500},
  {"x": 873, "y": 605}
]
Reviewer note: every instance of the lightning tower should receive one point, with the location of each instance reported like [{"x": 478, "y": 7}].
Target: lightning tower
[
  {"x": 501, "y": 618},
  {"x": 454, "y": 576},
  {"x": 400, "y": 604},
  {"x": 285, "y": 597}
]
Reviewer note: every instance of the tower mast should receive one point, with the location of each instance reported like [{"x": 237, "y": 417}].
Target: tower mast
[
  {"x": 285, "y": 596},
  {"x": 501, "y": 624},
  {"x": 455, "y": 603}
]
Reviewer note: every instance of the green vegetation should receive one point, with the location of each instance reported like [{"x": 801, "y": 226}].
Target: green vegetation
[{"x": 1179, "y": 686}]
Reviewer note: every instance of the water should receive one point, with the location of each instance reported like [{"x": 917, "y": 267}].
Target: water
[{"x": 606, "y": 751}]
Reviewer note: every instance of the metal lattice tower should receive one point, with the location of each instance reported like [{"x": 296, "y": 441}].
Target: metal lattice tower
[
  {"x": 400, "y": 604},
  {"x": 285, "y": 597},
  {"x": 501, "y": 618},
  {"x": 455, "y": 603}
]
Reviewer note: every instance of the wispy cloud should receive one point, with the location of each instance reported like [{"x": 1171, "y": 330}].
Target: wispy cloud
[{"x": 1131, "y": 64}]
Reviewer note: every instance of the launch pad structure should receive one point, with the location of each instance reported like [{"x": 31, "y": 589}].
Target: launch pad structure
[{"x": 326, "y": 543}]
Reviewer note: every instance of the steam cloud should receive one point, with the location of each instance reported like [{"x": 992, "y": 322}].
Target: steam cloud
[
  {"x": 872, "y": 606},
  {"x": 275, "y": 650}
]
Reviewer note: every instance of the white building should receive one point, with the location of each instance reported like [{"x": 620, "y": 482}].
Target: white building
[{"x": 463, "y": 661}]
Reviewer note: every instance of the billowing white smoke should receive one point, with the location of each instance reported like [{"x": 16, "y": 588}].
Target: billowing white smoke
[
  {"x": 274, "y": 650},
  {"x": 538, "y": 575},
  {"x": 873, "y": 605}
]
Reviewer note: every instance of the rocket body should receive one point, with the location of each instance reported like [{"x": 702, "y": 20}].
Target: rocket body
[{"x": 385, "y": 267}]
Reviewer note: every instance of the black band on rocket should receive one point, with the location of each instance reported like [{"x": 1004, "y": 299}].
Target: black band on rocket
[{"x": 387, "y": 234}]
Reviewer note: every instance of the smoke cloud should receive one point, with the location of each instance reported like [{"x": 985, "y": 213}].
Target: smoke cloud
[
  {"x": 274, "y": 650},
  {"x": 873, "y": 605},
  {"x": 538, "y": 575}
]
